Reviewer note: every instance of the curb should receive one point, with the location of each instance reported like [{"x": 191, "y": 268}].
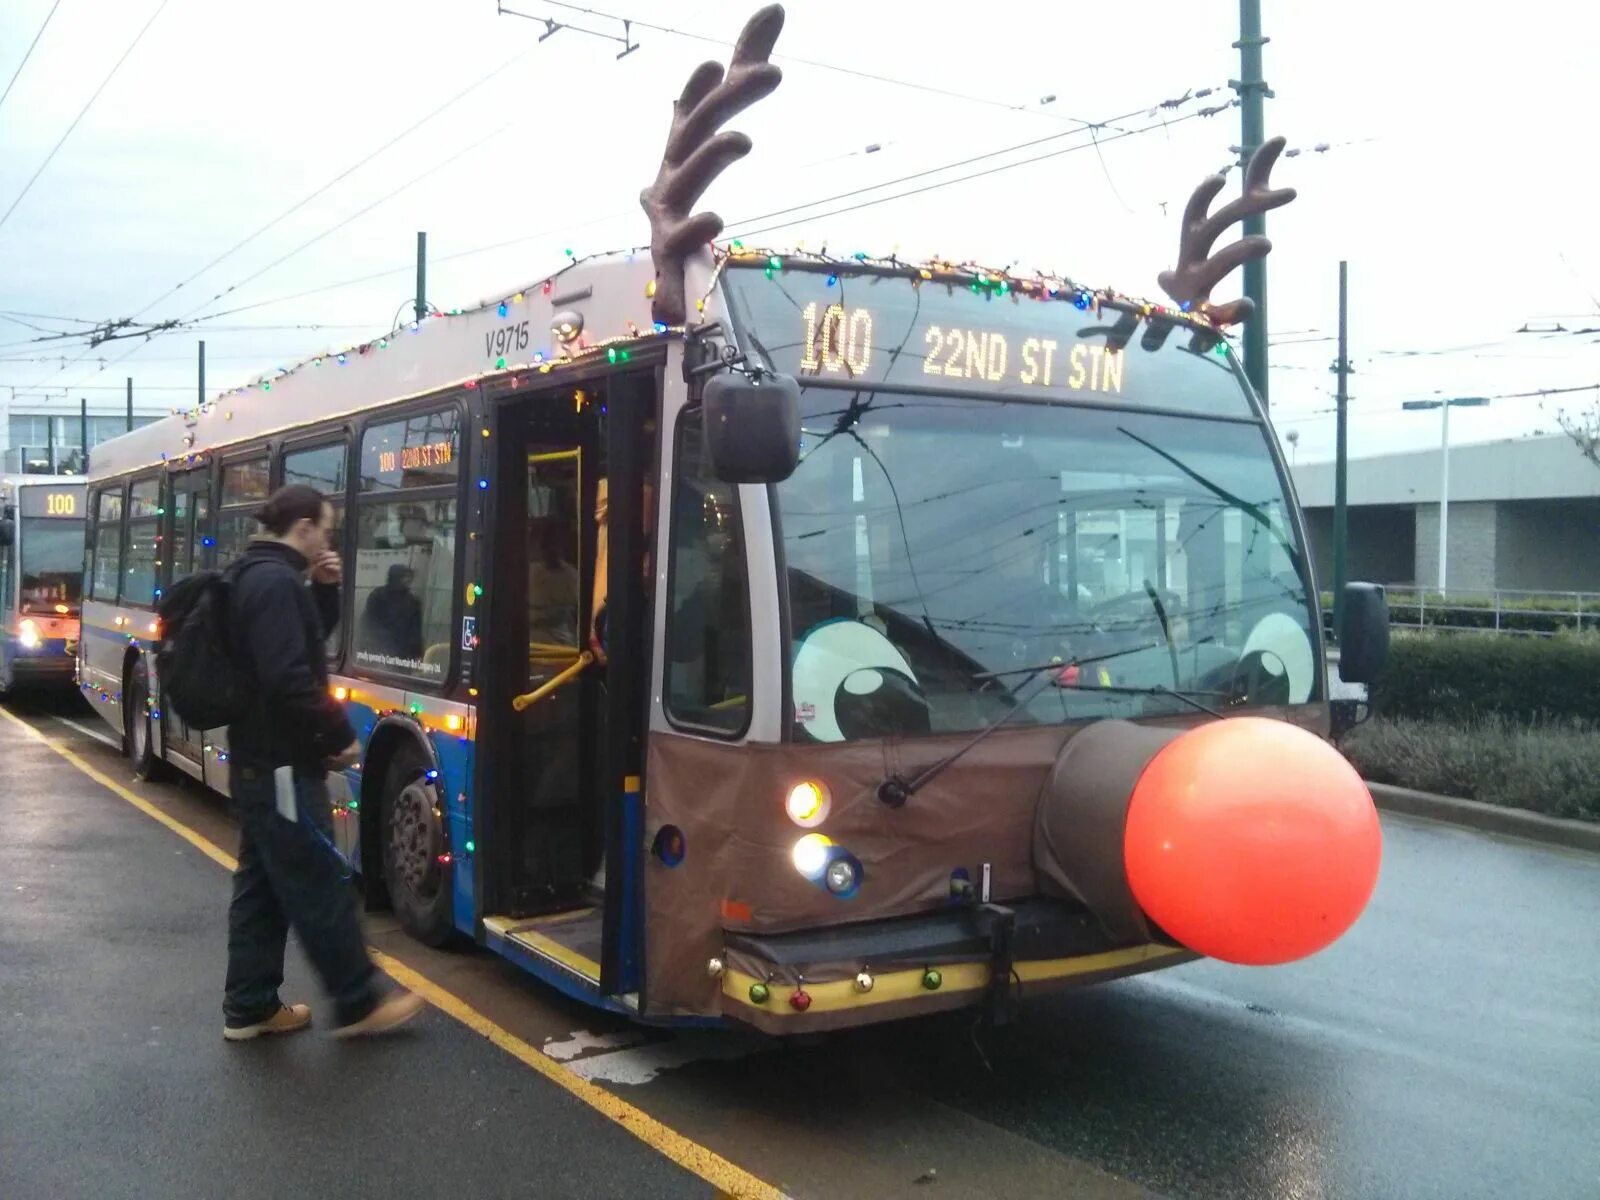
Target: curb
[{"x": 1491, "y": 818}]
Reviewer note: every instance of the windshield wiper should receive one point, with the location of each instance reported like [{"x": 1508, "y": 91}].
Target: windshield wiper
[
  {"x": 1154, "y": 689},
  {"x": 1077, "y": 662},
  {"x": 896, "y": 789},
  {"x": 1166, "y": 627}
]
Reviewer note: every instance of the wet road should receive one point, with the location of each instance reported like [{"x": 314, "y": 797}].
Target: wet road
[{"x": 1448, "y": 1046}]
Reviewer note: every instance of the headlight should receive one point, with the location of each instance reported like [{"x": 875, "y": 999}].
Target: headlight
[
  {"x": 28, "y": 635},
  {"x": 811, "y": 855},
  {"x": 807, "y": 804}
]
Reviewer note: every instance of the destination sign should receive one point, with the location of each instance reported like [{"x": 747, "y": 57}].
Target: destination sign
[
  {"x": 409, "y": 458},
  {"x": 894, "y": 331},
  {"x": 50, "y": 502},
  {"x": 417, "y": 451}
]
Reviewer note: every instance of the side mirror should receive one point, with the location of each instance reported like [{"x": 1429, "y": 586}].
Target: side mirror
[
  {"x": 1363, "y": 633},
  {"x": 752, "y": 426},
  {"x": 8, "y": 531}
]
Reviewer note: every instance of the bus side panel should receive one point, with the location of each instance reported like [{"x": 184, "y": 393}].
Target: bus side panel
[{"x": 101, "y": 648}]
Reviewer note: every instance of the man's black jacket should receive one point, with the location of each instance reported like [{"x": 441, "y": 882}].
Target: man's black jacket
[{"x": 277, "y": 624}]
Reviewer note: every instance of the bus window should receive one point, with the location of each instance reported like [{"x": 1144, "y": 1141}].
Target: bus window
[
  {"x": 51, "y": 575},
  {"x": 106, "y": 571},
  {"x": 244, "y": 482},
  {"x": 323, "y": 468},
  {"x": 405, "y": 546},
  {"x": 404, "y": 585},
  {"x": 244, "y": 487},
  {"x": 181, "y": 552},
  {"x": 140, "y": 547},
  {"x": 708, "y": 621}
]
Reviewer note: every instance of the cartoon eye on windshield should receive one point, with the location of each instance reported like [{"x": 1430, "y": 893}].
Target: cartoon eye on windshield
[{"x": 851, "y": 681}]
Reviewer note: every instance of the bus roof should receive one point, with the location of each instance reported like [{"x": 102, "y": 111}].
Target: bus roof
[{"x": 505, "y": 334}]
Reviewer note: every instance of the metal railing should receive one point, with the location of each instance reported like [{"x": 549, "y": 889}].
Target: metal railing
[{"x": 1499, "y": 610}]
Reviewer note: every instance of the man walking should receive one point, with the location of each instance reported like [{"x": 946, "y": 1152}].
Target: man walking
[{"x": 290, "y": 872}]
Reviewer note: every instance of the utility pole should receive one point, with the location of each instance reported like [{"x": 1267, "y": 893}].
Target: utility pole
[
  {"x": 422, "y": 275},
  {"x": 130, "y": 404},
  {"x": 1252, "y": 89},
  {"x": 1341, "y": 459},
  {"x": 202, "y": 374}
]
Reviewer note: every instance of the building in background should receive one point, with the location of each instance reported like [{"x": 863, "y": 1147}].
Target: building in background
[
  {"x": 45, "y": 436},
  {"x": 1524, "y": 515}
]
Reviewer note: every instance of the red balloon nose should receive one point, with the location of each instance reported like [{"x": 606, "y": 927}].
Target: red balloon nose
[{"x": 1252, "y": 841}]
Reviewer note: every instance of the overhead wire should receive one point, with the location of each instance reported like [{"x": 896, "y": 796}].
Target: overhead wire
[
  {"x": 183, "y": 321},
  {"x": 342, "y": 176},
  {"x": 28, "y": 53},
  {"x": 951, "y": 166},
  {"x": 778, "y": 212},
  {"x": 851, "y": 208},
  {"x": 743, "y": 233},
  {"x": 138, "y": 37},
  {"x": 1388, "y": 410},
  {"x": 707, "y": 39},
  {"x": 358, "y": 214}
]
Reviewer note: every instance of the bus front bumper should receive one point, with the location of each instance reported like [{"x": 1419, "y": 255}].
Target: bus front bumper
[
  {"x": 52, "y": 660},
  {"x": 989, "y": 955}
]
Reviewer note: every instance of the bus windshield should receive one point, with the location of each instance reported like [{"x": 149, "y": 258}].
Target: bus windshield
[
  {"x": 939, "y": 550},
  {"x": 52, "y": 566}
]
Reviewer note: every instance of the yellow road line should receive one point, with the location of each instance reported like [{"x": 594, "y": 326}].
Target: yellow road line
[
  {"x": 729, "y": 1178},
  {"x": 207, "y": 847}
]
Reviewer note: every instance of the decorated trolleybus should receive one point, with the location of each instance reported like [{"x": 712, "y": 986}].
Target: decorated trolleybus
[
  {"x": 796, "y": 641},
  {"x": 41, "y": 577}
]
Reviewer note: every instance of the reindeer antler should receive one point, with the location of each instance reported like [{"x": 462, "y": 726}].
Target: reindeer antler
[
  {"x": 1198, "y": 270},
  {"x": 695, "y": 156}
]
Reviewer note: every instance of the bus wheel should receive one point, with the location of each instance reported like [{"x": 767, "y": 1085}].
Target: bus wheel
[
  {"x": 413, "y": 840},
  {"x": 139, "y": 726}
]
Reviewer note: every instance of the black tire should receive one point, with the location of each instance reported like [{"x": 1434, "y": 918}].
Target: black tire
[
  {"x": 138, "y": 726},
  {"x": 413, "y": 839}
]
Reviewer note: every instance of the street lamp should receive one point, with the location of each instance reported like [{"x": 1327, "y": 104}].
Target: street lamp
[{"x": 1444, "y": 465}]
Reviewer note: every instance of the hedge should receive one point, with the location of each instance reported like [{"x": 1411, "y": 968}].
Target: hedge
[
  {"x": 1549, "y": 767},
  {"x": 1465, "y": 677}
]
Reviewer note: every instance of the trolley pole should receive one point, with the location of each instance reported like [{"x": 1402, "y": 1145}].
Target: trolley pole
[
  {"x": 83, "y": 431},
  {"x": 202, "y": 374},
  {"x": 130, "y": 404},
  {"x": 422, "y": 275},
  {"x": 1341, "y": 462},
  {"x": 1253, "y": 89}
]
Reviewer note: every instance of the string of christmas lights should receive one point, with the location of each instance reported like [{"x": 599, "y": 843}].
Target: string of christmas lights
[{"x": 984, "y": 280}]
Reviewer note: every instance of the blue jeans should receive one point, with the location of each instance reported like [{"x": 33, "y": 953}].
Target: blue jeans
[{"x": 290, "y": 875}]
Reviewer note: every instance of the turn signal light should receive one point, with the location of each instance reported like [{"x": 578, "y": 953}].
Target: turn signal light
[
  {"x": 341, "y": 693},
  {"x": 452, "y": 723},
  {"x": 807, "y": 804}
]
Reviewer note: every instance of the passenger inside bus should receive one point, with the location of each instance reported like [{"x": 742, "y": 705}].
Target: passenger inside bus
[{"x": 393, "y": 615}]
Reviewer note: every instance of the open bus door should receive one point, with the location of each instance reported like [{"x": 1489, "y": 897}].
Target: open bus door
[
  {"x": 562, "y": 718},
  {"x": 187, "y": 535}
]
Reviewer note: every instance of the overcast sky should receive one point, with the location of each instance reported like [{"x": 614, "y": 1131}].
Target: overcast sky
[{"x": 1461, "y": 182}]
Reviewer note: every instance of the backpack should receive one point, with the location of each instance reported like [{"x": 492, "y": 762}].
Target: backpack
[{"x": 200, "y": 680}]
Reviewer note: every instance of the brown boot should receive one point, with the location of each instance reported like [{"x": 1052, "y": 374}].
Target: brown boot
[
  {"x": 290, "y": 1018},
  {"x": 392, "y": 1012}
]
